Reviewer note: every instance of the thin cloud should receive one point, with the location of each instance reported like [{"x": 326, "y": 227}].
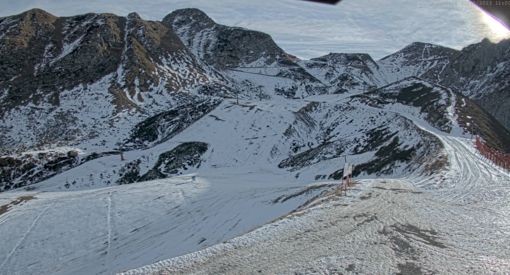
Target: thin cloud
[{"x": 309, "y": 30}]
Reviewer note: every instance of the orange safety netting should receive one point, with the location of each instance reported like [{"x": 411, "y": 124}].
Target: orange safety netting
[{"x": 500, "y": 159}]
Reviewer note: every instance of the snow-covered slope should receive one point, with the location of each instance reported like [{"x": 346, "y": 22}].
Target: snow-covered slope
[
  {"x": 454, "y": 223},
  {"x": 253, "y": 163},
  {"x": 241, "y": 54},
  {"x": 123, "y": 142},
  {"x": 346, "y": 72},
  {"x": 415, "y": 60},
  {"x": 481, "y": 72}
]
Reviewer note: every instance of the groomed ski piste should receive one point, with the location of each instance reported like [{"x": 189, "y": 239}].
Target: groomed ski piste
[
  {"x": 234, "y": 217},
  {"x": 455, "y": 223}
]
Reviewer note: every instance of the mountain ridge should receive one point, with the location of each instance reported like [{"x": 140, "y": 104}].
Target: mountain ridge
[
  {"x": 124, "y": 83},
  {"x": 127, "y": 142}
]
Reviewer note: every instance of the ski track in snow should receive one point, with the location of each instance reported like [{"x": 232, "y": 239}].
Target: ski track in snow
[
  {"x": 163, "y": 219},
  {"x": 25, "y": 235},
  {"x": 181, "y": 193},
  {"x": 109, "y": 230},
  {"x": 408, "y": 225}
]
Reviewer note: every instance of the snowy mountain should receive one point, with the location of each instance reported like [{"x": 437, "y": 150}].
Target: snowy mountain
[
  {"x": 253, "y": 163},
  {"x": 242, "y": 55},
  {"x": 89, "y": 78},
  {"x": 415, "y": 60},
  {"x": 346, "y": 72},
  {"x": 126, "y": 142},
  {"x": 481, "y": 72}
]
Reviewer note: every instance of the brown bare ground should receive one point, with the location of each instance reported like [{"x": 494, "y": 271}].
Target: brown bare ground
[{"x": 21, "y": 200}]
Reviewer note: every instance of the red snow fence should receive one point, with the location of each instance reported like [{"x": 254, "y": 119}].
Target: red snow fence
[{"x": 500, "y": 159}]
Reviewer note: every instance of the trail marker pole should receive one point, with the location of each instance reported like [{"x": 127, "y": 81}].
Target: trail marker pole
[{"x": 341, "y": 187}]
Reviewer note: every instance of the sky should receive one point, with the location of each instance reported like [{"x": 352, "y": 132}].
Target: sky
[{"x": 306, "y": 29}]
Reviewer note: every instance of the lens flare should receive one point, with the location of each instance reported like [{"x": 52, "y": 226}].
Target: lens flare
[{"x": 496, "y": 26}]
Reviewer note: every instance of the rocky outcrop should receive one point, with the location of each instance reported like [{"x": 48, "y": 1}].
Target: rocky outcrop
[
  {"x": 234, "y": 49},
  {"x": 481, "y": 72},
  {"x": 346, "y": 71},
  {"x": 225, "y": 47},
  {"x": 415, "y": 60},
  {"x": 185, "y": 156},
  {"x": 56, "y": 71},
  {"x": 17, "y": 171},
  {"x": 165, "y": 125}
]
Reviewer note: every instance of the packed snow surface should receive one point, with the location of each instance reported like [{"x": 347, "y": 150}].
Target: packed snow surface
[
  {"x": 453, "y": 222},
  {"x": 457, "y": 223}
]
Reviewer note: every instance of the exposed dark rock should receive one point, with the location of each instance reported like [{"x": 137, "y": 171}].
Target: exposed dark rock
[
  {"x": 433, "y": 100},
  {"x": 481, "y": 72},
  {"x": 29, "y": 169},
  {"x": 224, "y": 47},
  {"x": 181, "y": 157},
  {"x": 130, "y": 172},
  {"x": 171, "y": 163},
  {"x": 163, "y": 126},
  {"x": 314, "y": 155},
  {"x": 417, "y": 59}
]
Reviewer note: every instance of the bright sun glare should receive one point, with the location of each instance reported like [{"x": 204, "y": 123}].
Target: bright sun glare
[{"x": 495, "y": 25}]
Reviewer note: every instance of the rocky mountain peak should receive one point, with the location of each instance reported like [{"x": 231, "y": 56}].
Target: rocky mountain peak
[
  {"x": 225, "y": 47},
  {"x": 134, "y": 16},
  {"x": 18, "y": 31},
  {"x": 481, "y": 72},
  {"x": 419, "y": 51},
  {"x": 479, "y": 56},
  {"x": 192, "y": 17},
  {"x": 39, "y": 16},
  {"x": 353, "y": 60},
  {"x": 415, "y": 60}
]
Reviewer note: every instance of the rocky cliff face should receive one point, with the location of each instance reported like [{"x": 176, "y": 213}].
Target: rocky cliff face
[
  {"x": 225, "y": 47},
  {"x": 241, "y": 55},
  {"x": 415, "y": 60},
  {"x": 346, "y": 72},
  {"x": 56, "y": 71},
  {"x": 482, "y": 72}
]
